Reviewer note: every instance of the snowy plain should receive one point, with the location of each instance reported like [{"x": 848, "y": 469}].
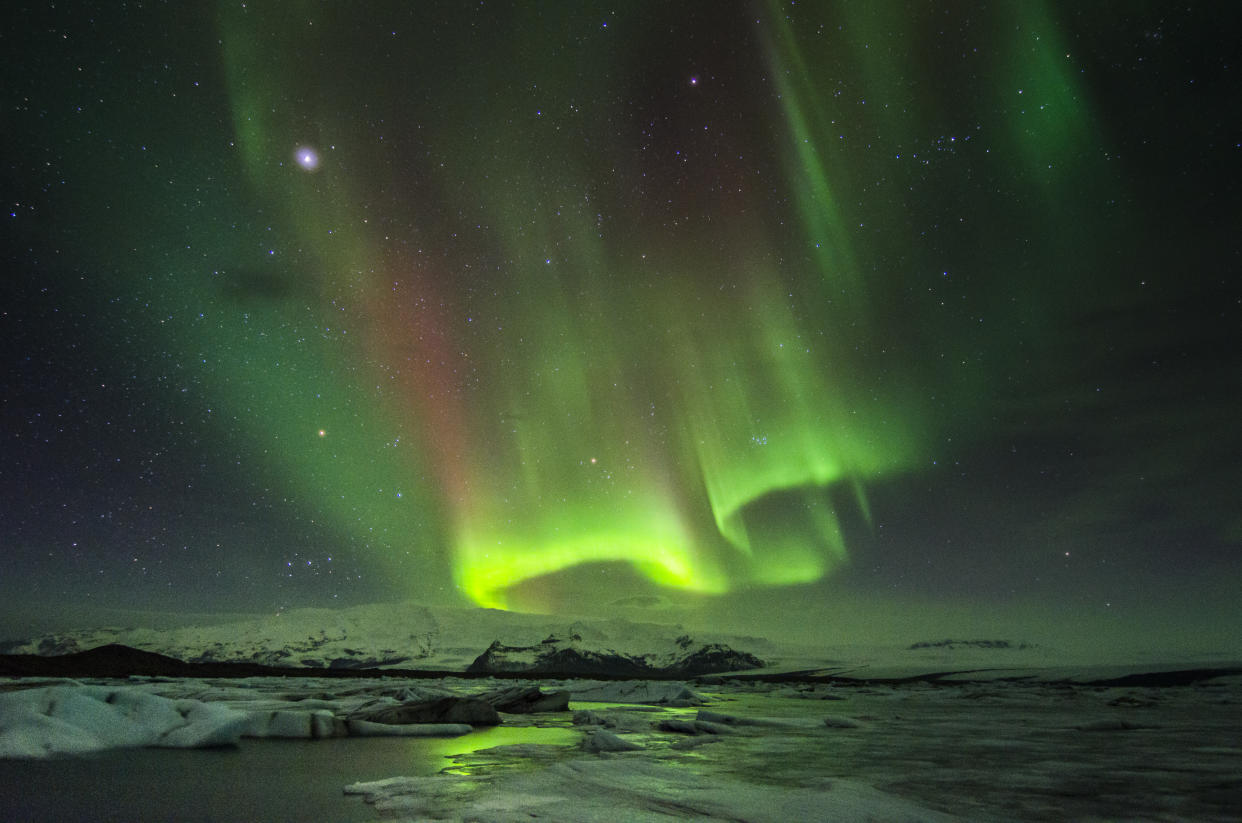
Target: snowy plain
[{"x": 987, "y": 749}]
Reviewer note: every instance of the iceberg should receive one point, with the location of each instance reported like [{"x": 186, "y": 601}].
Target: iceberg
[
  {"x": 366, "y": 728},
  {"x": 653, "y": 692},
  {"x": 76, "y": 719}
]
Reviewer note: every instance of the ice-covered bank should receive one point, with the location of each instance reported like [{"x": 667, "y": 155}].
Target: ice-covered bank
[
  {"x": 594, "y": 790},
  {"x": 74, "y": 718},
  {"x": 1012, "y": 749}
]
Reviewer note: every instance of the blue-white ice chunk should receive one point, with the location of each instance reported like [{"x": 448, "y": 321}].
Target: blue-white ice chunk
[{"x": 40, "y": 722}]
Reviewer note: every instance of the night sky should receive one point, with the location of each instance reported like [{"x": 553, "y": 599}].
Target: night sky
[{"x": 841, "y": 317}]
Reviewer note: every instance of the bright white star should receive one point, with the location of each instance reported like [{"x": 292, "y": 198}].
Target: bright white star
[{"x": 307, "y": 157}]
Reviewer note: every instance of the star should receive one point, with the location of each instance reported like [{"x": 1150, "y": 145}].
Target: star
[{"x": 307, "y": 158}]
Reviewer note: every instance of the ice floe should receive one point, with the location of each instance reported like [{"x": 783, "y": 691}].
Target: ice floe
[
  {"x": 639, "y": 790},
  {"x": 366, "y": 728},
  {"x": 602, "y": 740},
  {"x": 659, "y": 692},
  {"x": 77, "y": 719}
]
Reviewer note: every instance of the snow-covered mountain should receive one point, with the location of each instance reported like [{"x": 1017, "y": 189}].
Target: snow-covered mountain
[
  {"x": 571, "y": 656},
  {"x": 410, "y": 635},
  {"x": 405, "y": 635}
]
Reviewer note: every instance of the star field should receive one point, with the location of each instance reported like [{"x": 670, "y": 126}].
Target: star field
[{"x": 765, "y": 309}]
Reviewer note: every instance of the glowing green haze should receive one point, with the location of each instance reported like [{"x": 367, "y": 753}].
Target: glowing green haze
[{"x": 567, "y": 304}]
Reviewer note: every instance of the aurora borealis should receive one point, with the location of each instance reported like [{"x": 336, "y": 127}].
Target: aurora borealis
[{"x": 542, "y": 306}]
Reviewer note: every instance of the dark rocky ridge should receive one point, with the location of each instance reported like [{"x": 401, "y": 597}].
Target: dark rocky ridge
[
  {"x": 118, "y": 661},
  {"x": 472, "y": 711},
  {"x": 970, "y": 644},
  {"x": 566, "y": 656}
]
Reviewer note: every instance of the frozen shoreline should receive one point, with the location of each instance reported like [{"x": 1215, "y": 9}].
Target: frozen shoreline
[{"x": 1020, "y": 750}]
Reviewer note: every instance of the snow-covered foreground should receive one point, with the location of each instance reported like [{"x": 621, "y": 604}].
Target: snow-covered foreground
[{"x": 732, "y": 750}]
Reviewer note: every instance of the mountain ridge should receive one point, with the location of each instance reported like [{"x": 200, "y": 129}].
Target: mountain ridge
[{"x": 408, "y": 636}]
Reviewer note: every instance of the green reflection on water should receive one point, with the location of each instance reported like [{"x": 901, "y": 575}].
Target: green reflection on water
[{"x": 504, "y": 747}]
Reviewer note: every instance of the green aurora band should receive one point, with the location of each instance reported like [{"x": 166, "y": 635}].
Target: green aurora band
[{"x": 536, "y": 349}]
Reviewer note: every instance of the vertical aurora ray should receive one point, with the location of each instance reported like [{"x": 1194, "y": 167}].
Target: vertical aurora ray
[
  {"x": 809, "y": 155},
  {"x": 532, "y": 348},
  {"x": 567, "y": 467},
  {"x": 1053, "y": 127},
  {"x": 301, "y": 357}
]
